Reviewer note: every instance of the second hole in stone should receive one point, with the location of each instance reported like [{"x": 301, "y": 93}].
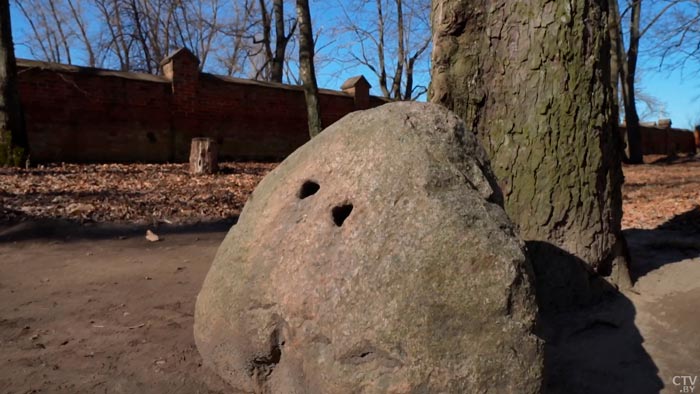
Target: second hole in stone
[{"x": 340, "y": 213}]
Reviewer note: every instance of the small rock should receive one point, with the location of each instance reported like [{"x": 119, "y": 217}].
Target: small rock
[{"x": 151, "y": 236}]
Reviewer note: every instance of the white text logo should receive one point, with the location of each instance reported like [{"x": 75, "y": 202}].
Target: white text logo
[{"x": 685, "y": 384}]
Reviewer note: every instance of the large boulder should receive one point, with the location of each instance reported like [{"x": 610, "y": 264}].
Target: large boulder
[{"x": 377, "y": 258}]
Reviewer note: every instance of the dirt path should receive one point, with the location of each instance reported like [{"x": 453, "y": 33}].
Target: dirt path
[
  {"x": 114, "y": 315},
  {"x": 103, "y": 316},
  {"x": 667, "y": 302},
  {"x": 667, "y": 299}
]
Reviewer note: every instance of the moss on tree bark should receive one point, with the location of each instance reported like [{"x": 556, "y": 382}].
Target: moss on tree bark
[{"x": 532, "y": 79}]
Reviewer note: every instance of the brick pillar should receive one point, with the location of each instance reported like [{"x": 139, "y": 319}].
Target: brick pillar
[
  {"x": 182, "y": 69},
  {"x": 358, "y": 87},
  {"x": 697, "y": 138}
]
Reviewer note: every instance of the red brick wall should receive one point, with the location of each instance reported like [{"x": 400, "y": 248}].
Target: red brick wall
[
  {"x": 665, "y": 141},
  {"x": 77, "y": 114}
]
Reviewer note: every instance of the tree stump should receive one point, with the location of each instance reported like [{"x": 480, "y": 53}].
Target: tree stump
[{"x": 203, "y": 156}]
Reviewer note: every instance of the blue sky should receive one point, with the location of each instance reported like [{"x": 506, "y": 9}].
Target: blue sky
[{"x": 678, "y": 90}]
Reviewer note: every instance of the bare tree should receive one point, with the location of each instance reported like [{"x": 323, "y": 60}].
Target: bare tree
[
  {"x": 306, "y": 67},
  {"x": 624, "y": 63},
  {"x": 234, "y": 37},
  {"x": 43, "y": 31},
  {"x": 675, "y": 37},
  {"x": 76, "y": 12},
  {"x": 390, "y": 38},
  {"x": 626, "y": 67},
  {"x": 132, "y": 35},
  {"x": 14, "y": 148},
  {"x": 272, "y": 68},
  {"x": 237, "y": 38}
]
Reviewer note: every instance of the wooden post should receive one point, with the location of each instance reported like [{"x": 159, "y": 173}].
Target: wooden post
[{"x": 203, "y": 156}]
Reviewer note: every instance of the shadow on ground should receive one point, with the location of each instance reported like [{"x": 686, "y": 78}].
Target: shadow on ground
[
  {"x": 675, "y": 240},
  {"x": 67, "y": 230},
  {"x": 592, "y": 344},
  {"x": 675, "y": 159}
]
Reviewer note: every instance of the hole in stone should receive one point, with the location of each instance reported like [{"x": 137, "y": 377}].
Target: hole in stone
[
  {"x": 263, "y": 366},
  {"x": 340, "y": 213},
  {"x": 309, "y": 188}
]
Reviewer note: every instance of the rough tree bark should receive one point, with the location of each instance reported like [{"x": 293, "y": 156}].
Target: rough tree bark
[
  {"x": 306, "y": 67},
  {"x": 13, "y": 138},
  {"x": 532, "y": 79}
]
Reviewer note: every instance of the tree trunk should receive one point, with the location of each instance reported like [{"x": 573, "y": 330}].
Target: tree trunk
[
  {"x": 616, "y": 59},
  {"x": 401, "y": 55},
  {"x": 306, "y": 67},
  {"x": 14, "y": 149},
  {"x": 204, "y": 156},
  {"x": 532, "y": 79},
  {"x": 281, "y": 40},
  {"x": 629, "y": 70}
]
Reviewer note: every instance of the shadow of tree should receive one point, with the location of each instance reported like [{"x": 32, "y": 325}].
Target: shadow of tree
[
  {"x": 673, "y": 241},
  {"x": 592, "y": 344},
  {"x": 677, "y": 159},
  {"x": 688, "y": 222}
]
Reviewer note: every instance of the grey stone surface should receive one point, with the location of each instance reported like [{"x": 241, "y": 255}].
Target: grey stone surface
[{"x": 421, "y": 287}]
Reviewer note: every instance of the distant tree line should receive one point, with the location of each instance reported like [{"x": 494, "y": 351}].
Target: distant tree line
[{"x": 257, "y": 39}]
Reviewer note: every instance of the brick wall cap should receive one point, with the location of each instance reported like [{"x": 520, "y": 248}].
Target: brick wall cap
[
  {"x": 66, "y": 68},
  {"x": 267, "y": 84},
  {"x": 354, "y": 82},
  {"x": 179, "y": 53},
  {"x": 666, "y": 123}
]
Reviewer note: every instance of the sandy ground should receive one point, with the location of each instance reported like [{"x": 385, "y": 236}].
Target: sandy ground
[
  {"x": 104, "y": 315},
  {"x": 113, "y": 315},
  {"x": 102, "y": 310},
  {"x": 636, "y": 341}
]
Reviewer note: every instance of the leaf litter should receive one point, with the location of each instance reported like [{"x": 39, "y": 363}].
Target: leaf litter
[
  {"x": 666, "y": 193},
  {"x": 127, "y": 193}
]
